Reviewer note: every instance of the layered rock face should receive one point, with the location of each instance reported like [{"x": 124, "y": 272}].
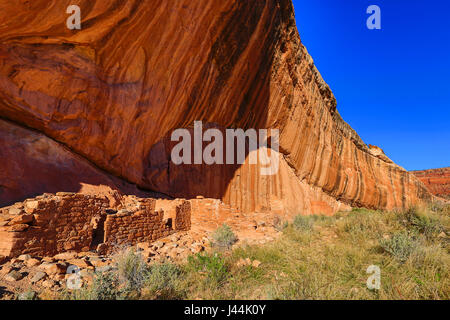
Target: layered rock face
[
  {"x": 114, "y": 91},
  {"x": 436, "y": 180},
  {"x": 33, "y": 164}
]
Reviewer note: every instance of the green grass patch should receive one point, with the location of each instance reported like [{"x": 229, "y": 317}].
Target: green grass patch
[{"x": 315, "y": 257}]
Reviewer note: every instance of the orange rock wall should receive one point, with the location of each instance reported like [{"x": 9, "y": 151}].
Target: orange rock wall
[
  {"x": 32, "y": 164},
  {"x": 113, "y": 91},
  {"x": 436, "y": 180}
]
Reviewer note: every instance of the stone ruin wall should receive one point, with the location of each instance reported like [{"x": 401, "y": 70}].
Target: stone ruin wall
[
  {"x": 51, "y": 224},
  {"x": 179, "y": 210},
  {"x": 144, "y": 224}
]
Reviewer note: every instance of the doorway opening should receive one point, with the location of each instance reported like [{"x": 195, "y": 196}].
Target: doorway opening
[{"x": 98, "y": 232}]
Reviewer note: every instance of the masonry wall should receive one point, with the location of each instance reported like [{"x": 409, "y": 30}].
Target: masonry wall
[
  {"x": 49, "y": 225},
  {"x": 179, "y": 210},
  {"x": 183, "y": 216},
  {"x": 52, "y": 224},
  {"x": 132, "y": 228},
  {"x": 145, "y": 224}
]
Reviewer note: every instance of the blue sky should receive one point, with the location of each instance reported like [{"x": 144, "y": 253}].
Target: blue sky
[{"x": 392, "y": 85}]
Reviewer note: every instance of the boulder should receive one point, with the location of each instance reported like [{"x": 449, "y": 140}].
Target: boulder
[
  {"x": 66, "y": 255},
  {"x": 81, "y": 263},
  {"x": 32, "y": 262},
  {"x": 13, "y": 276},
  {"x": 24, "y": 257},
  {"x": 53, "y": 268},
  {"x": 38, "y": 276}
]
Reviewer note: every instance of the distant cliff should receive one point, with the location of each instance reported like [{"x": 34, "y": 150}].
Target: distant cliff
[{"x": 436, "y": 180}]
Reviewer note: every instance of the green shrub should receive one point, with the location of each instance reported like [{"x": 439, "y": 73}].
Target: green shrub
[
  {"x": 163, "y": 279},
  {"x": 104, "y": 287},
  {"x": 27, "y": 295},
  {"x": 223, "y": 237},
  {"x": 401, "y": 245},
  {"x": 303, "y": 223},
  {"x": 279, "y": 224},
  {"x": 423, "y": 222},
  {"x": 123, "y": 282},
  {"x": 213, "y": 265},
  {"x": 132, "y": 270}
]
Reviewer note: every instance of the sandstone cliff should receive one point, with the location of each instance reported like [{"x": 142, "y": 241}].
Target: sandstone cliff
[
  {"x": 112, "y": 93},
  {"x": 436, "y": 180},
  {"x": 34, "y": 164}
]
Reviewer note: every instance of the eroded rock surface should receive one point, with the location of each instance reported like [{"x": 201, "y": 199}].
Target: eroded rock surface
[
  {"x": 33, "y": 164},
  {"x": 436, "y": 180},
  {"x": 113, "y": 92}
]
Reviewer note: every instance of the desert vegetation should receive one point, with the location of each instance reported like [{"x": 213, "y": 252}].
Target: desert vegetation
[{"x": 315, "y": 257}]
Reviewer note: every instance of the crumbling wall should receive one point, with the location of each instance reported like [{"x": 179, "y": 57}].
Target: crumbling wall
[
  {"x": 178, "y": 210},
  {"x": 131, "y": 227},
  {"x": 183, "y": 216},
  {"x": 52, "y": 224},
  {"x": 145, "y": 224}
]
